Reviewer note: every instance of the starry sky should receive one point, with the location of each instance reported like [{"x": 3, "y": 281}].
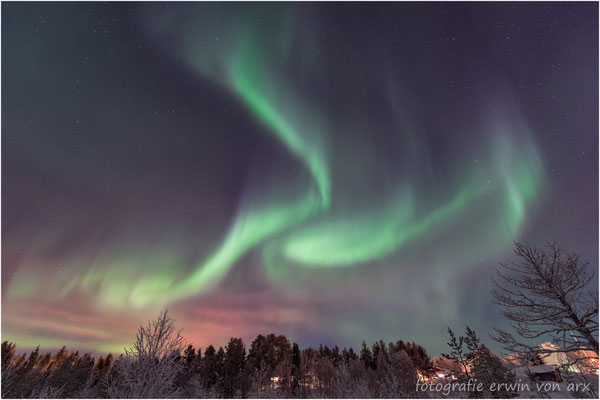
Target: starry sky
[{"x": 330, "y": 172}]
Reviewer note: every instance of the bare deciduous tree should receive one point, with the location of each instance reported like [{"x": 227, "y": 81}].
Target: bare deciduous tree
[
  {"x": 158, "y": 339},
  {"x": 547, "y": 295},
  {"x": 150, "y": 368}
]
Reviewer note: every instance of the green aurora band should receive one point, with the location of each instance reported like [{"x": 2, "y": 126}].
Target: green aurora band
[{"x": 318, "y": 230}]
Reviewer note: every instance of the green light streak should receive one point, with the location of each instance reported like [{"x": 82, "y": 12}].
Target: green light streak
[
  {"x": 351, "y": 241},
  {"x": 244, "y": 80},
  {"x": 27, "y": 342},
  {"x": 253, "y": 227},
  {"x": 521, "y": 170},
  {"x": 248, "y": 231}
]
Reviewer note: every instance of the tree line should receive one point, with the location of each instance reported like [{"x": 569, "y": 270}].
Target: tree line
[{"x": 159, "y": 365}]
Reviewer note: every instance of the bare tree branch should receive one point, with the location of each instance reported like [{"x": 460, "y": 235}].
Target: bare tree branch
[{"x": 547, "y": 295}]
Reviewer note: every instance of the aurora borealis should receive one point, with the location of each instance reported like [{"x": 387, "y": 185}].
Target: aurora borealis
[{"x": 334, "y": 173}]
